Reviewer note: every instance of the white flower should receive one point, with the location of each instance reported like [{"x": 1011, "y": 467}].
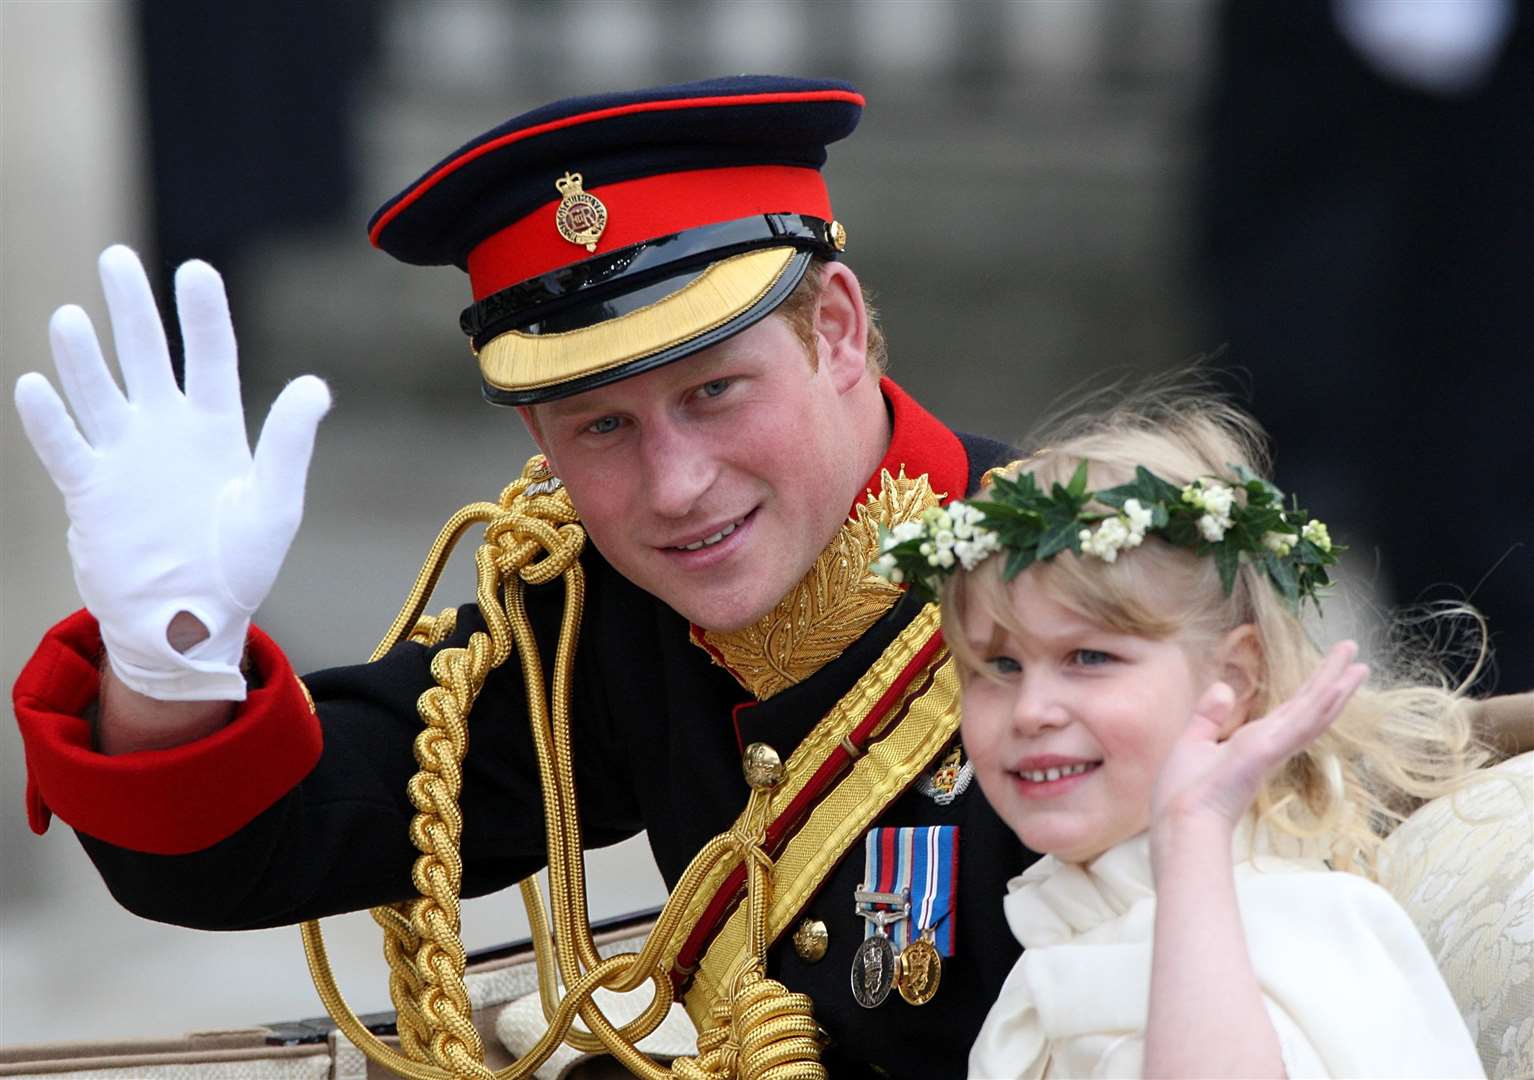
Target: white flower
[
  {"x": 927, "y": 548},
  {"x": 1212, "y": 528},
  {"x": 1139, "y": 519},
  {"x": 885, "y": 567},
  {"x": 1279, "y": 543},
  {"x": 1218, "y": 499},
  {"x": 935, "y": 518},
  {"x": 941, "y": 557},
  {"x": 1317, "y": 533},
  {"x": 1117, "y": 533},
  {"x": 906, "y": 530},
  {"x": 965, "y": 519},
  {"x": 944, "y": 539},
  {"x": 972, "y": 552},
  {"x": 1111, "y": 535}
]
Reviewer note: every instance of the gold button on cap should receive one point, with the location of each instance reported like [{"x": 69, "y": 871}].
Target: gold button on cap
[
  {"x": 763, "y": 767},
  {"x": 811, "y": 940}
]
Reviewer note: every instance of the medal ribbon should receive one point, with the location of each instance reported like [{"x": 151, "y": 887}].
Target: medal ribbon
[{"x": 923, "y": 859}]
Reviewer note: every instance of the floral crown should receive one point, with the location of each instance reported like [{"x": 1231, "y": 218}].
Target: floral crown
[{"x": 1031, "y": 525}]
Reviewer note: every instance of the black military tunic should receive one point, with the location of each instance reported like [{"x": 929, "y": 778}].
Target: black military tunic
[{"x": 657, "y": 746}]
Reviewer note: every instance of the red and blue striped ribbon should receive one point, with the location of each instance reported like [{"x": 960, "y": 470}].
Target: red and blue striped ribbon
[{"x": 923, "y": 859}]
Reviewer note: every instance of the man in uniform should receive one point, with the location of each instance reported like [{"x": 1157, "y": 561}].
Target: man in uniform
[{"x": 657, "y": 289}]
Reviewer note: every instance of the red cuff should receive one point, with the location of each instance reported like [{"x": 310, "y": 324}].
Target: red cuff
[{"x": 164, "y": 802}]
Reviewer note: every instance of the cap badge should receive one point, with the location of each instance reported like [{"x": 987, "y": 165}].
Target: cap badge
[{"x": 580, "y": 217}]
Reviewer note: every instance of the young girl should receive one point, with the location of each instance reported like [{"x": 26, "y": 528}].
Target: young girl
[{"x": 1142, "y": 705}]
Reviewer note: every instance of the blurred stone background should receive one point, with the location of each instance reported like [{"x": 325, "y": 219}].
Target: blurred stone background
[{"x": 1018, "y": 196}]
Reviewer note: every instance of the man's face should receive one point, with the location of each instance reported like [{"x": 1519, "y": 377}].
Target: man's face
[{"x": 712, "y": 482}]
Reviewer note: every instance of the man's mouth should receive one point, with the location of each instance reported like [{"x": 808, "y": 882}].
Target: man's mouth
[{"x": 711, "y": 540}]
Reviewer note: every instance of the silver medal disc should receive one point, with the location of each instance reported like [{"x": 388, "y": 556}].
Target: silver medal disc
[{"x": 873, "y": 971}]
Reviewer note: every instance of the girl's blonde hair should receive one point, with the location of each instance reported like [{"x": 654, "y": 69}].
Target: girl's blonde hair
[{"x": 1404, "y": 737}]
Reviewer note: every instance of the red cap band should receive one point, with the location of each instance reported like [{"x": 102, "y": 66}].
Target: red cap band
[{"x": 644, "y": 209}]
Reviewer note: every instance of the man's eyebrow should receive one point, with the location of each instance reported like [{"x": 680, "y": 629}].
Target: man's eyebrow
[
  {"x": 703, "y": 369},
  {"x": 563, "y": 408}
]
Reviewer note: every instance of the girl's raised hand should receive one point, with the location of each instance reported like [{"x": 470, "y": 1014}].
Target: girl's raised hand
[{"x": 1209, "y": 781}]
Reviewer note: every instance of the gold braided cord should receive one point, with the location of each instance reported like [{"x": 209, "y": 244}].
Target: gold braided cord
[
  {"x": 405, "y": 623},
  {"x": 405, "y": 982},
  {"x": 761, "y": 1032},
  {"x": 401, "y": 943}
]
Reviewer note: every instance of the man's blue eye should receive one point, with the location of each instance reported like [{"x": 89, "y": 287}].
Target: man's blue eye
[
  {"x": 604, "y": 426},
  {"x": 715, "y": 387}
]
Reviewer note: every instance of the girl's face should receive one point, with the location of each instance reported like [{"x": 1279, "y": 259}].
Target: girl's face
[{"x": 1068, "y": 722}]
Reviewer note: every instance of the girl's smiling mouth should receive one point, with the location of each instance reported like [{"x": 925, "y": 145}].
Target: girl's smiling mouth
[{"x": 1051, "y": 775}]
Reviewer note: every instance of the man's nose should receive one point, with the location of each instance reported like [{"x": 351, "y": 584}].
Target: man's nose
[{"x": 677, "y": 467}]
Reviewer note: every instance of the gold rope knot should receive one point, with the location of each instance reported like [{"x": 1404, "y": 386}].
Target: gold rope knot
[
  {"x": 764, "y": 1031},
  {"x": 759, "y": 1029},
  {"x": 537, "y": 537}
]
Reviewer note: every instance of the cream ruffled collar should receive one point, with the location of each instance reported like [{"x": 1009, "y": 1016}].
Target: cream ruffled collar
[{"x": 1054, "y": 901}]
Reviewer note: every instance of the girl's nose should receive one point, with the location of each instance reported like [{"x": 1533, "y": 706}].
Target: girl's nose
[{"x": 1038, "y": 705}]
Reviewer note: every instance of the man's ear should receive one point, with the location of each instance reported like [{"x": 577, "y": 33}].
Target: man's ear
[
  {"x": 1239, "y": 664},
  {"x": 530, "y": 421},
  {"x": 841, "y": 326}
]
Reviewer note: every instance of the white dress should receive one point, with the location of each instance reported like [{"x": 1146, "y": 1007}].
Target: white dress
[{"x": 1348, "y": 983}]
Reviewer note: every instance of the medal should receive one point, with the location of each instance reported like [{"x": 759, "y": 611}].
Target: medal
[
  {"x": 912, "y": 878},
  {"x": 873, "y": 971},
  {"x": 919, "y": 969},
  {"x": 873, "y": 964}
]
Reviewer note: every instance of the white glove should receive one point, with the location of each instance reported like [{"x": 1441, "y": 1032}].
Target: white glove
[{"x": 168, "y": 510}]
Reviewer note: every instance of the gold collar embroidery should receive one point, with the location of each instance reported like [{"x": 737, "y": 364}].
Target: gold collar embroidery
[{"x": 833, "y": 604}]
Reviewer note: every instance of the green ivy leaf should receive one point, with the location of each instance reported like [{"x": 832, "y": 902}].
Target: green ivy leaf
[
  {"x": 1155, "y": 488},
  {"x": 1282, "y": 572},
  {"x": 1116, "y": 497},
  {"x": 1228, "y": 558},
  {"x": 1077, "y": 488},
  {"x": 1020, "y": 560},
  {"x": 1059, "y": 538}
]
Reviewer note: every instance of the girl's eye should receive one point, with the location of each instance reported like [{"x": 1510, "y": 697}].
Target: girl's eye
[
  {"x": 1004, "y": 665},
  {"x": 605, "y": 426},
  {"x": 1091, "y": 657}
]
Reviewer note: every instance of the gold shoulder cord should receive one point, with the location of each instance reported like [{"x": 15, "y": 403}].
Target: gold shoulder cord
[{"x": 758, "y": 1030}]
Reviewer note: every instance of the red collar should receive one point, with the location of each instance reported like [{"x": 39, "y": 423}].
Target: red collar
[{"x": 920, "y": 443}]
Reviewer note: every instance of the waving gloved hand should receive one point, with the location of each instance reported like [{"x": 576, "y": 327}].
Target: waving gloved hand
[{"x": 169, "y": 511}]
